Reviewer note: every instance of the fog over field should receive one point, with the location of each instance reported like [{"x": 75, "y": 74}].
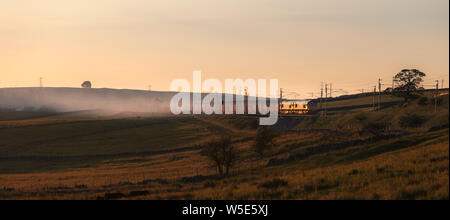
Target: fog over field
[
  {"x": 75, "y": 99},
  {"x": 108, "y": 101}
]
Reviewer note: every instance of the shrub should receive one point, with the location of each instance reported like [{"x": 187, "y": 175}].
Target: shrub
[
  {"x": 274, "y": 184},
  {"x": 423, "y": 101},
  {"x": 440, "y": 101},
  {"x": 263, "y": 140},
  {"x": 209, "y": 184},
  {"x": 360, "y": 117},
  {"x": 411, "y": 120},
  {"x": 377, "y": 128}
]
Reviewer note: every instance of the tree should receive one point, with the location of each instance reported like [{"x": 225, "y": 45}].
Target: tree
[
  {"x": 264, "y": 140},
  {"x": 409, "y": 81},
  {"x": 86, "y": 84},
  {"x": 222, "y": 153}
]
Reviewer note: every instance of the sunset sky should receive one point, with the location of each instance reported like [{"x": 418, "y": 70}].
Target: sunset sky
[{"x": 132, "y": 44}]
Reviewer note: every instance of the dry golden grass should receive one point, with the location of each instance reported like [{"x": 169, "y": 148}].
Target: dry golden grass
[
  {"x": 420, "y": 173},
  {"x": 337, "y": 162},
  {"x": 416, "y": 172}
]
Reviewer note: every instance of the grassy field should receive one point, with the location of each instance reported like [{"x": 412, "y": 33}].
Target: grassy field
[
  {"x": 75, "y": 157},
  {"x": 44, "y": 145},
  {"x": 362, "y": 101}
]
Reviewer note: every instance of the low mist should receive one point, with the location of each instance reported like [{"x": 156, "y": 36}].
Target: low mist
[{"x": 77, "y": 99}]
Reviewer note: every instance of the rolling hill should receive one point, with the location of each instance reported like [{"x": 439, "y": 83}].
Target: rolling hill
[{"x": 357, "y": 154}]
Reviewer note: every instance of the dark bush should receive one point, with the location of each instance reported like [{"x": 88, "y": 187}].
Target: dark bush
[
  {"x": 274, "y": 184},
  {"x": 440, "y": 101},
  {"x": 377, "y": 128},
  {"x": 81, "y": 186},
  {"x": 264, "y": 140},
  {"x": 411, "y": 120},
  {"x": 423, "y": 101},
  {"x": 361, "y": 117},
  {"x": 138, "y": 193},
  {"x": 209, "y": 184}
]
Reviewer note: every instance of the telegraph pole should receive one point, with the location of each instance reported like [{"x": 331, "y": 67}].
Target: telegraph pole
[
  {"x": 331, "y": 90},
  {"x": 436, "y": 96},
  {"x": 326, "y": 98},
  {"x": 246, "y": 101},
  {"x": 280, "y": 102},
  {"x": 150, "y": 96},
  {"x": 379, "y": 91},
  {"x": 373, "y": 97},
  {"x": 321, "y": 96},
  {"x": 40, "y": 82}
]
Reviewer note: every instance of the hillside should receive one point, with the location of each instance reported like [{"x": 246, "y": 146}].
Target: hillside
[{"x": 357, "y": 154}]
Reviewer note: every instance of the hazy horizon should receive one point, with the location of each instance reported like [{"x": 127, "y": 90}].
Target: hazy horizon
[{"x": 131, "y": 45}]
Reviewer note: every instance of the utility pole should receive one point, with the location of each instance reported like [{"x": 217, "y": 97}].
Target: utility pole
[
  {"x": 40, "y": 82},
  {"x": 280, "y": 102},
  {"x": 373, "y": 97},
  {"x": 331, "y": 90},
  {"x": 326, "y": 98},
  {"x": 436, "y": 96},
  {"x": 150, "y": 96},
  {"x": 321, "y": 96},
  {"x": 246, "y": 101},
  {"x": 442, "y": 84},
  {"x": 379, "y": 97}
]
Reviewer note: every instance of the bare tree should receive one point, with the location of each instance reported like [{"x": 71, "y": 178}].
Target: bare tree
[{"x": 222, "y": 153}]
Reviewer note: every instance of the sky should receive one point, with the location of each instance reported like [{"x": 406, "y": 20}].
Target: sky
[{"x": 134, "y": 44}]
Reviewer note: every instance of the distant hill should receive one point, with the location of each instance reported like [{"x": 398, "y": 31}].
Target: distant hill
[
  {"x": 55, "y": 99},
  {"x": 78, "y": 99}
]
